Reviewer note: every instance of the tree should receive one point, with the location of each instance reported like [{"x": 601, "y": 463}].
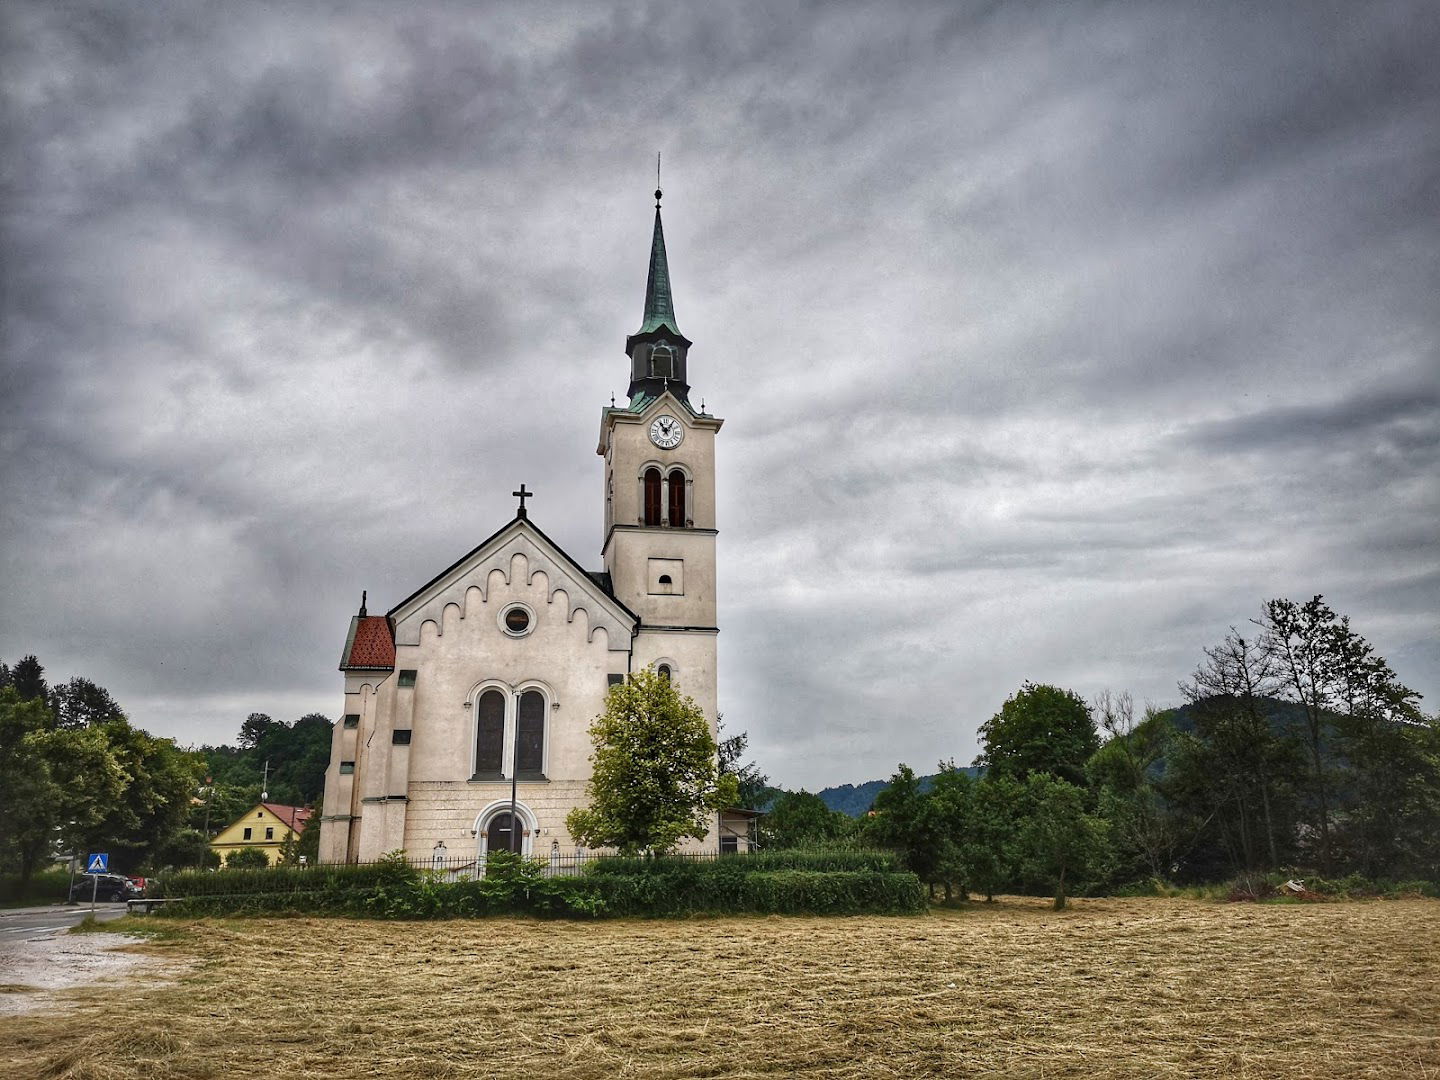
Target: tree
[
  {"x": 655, "y": 779},
  {"x": 55, "y": 785},
  {"x": 28, "y": 679},
  {"x": 901, "y": 821},
  {"x": 1042, "y": 729},
  {"x": 1229, "y": 694},
  {"x": 82, "y": 703},
  {"x": 990, "y": 842},
  {"x": 309, "y": 847},
  {"x": 254, "y": 729},
  {"x": 1059, "y": 842},
  {"x": 1125, "y": 770},
  {"x": 753, "y": 785},
  {"x": 800, "y": 819}
]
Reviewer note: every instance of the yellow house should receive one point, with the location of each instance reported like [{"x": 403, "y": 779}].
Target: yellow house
[{"x": 265, "y": 826}]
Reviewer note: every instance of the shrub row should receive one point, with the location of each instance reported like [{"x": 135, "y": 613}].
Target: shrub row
[
  {"x": 793, "y": 859},
  {"x": 662, "y": 887}
]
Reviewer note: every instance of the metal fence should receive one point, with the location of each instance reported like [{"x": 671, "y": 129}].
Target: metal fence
[{"x": 552, "y": 864}]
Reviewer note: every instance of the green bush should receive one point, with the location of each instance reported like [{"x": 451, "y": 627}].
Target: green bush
[
  {"x": 247, "y": 858},
  {"x": 518, "y": 886},
  {"x": 44, "y": 887},
  {"x": 755, "y": 862}
]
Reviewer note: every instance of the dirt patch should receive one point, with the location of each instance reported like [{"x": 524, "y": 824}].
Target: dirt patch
[
  {"x": 35, "y": 970},
  {"x": 1110, "y": 988}
]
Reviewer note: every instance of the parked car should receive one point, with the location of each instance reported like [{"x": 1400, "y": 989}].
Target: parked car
[{"x": 106, "y": 887}]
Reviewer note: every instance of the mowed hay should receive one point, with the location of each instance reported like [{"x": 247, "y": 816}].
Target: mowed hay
[{"x": 1145, "y": 987}]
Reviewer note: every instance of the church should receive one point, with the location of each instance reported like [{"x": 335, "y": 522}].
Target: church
[{"x": 486, "y": 677}]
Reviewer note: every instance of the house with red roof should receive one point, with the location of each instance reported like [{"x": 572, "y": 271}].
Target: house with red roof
[{"x": 266, "y": 826}]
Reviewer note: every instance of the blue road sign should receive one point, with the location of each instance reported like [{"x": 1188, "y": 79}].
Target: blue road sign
[{"x": 97, "y": 863}]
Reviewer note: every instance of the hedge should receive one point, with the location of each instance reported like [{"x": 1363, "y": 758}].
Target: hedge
[{"x": 659, "y": 888}]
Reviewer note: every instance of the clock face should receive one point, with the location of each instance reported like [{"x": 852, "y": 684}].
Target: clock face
[{"x": 666, "y": 432}]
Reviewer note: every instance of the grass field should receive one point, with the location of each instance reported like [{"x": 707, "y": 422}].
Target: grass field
[{"x": 1145, "y": 987}]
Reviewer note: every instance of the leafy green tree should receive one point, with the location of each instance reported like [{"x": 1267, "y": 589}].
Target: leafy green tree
[
  {"x": 186, "y": 849},
  {"x": 902, "y": 821},
  {"x": 655, "y": 779},
  {"x": 28, "y": 680},
  {"x": 1126, "y": 771},
  {"x": 55, "y": 785},
  {"x": 989, "y": 844},
  {"x": 155, "y": 802},
  {"x": 247, "y": 858},
  {"x": 800, "y": 819},
  {"x": 1041, "y": 729},
  {"x": 1059, "y": 841},
  {"x": 82, "y": 703},
  {"x": 753, "y": 785}
]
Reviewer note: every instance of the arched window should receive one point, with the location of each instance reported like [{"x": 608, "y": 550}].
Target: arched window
[
  {"x": 664, "y": 672},
  {"x": 490, "y": 734},
  {"x": 662, "y": 362},
  {"x": 677, "y": 499},
  {"x": 652, "y": 496},
  {"x": 530, "y": 736}
]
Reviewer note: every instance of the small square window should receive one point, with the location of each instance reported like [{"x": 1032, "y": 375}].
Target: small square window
[
  {"x": 407, "y": 678},
  {"x": 400, "y": 737},
  {"x": 614, "y": 680},
  {"x": 347, "y": 768},
  {"x": 269, "y": 832},
  {"x": 352, "y": 721},
  {"x": 248, "y": 834}
]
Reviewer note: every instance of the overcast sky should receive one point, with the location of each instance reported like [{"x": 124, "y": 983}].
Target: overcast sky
[{"x": 1051, "y": 338}]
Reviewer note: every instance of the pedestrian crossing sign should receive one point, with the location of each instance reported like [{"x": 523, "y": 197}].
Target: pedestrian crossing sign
[{"x": 97, "y": 863}]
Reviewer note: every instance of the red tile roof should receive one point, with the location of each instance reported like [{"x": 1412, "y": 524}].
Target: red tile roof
[
  {"x": 373, "y": 646},
  {"x": 294, "y": 816}
]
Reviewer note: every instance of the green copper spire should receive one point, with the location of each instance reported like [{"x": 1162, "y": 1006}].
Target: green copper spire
[{"x": 659, "y": 309}]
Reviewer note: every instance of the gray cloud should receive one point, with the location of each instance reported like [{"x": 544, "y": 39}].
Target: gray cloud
[{"x": 1051, "y": 338}]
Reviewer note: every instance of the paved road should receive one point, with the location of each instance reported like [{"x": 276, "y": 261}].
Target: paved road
[{"x": 25, "y": 924}]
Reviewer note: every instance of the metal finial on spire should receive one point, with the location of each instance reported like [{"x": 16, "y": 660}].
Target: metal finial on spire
[
  {"x": 362, "y": 603},
  {"x": 658, "y": 192},
  {"x": 612, "y": 399}
]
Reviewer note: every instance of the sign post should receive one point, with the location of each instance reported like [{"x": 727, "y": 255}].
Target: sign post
[{"x": 96, "y": 863}]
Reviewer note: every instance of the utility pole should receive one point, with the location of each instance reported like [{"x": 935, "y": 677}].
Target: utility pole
[{"x": 265, "y": 783}]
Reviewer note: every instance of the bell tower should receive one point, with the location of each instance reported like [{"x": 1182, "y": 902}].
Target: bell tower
[{"x": 659, "y": 451}]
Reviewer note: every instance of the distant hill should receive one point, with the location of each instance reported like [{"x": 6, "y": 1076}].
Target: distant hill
[{"x": 856, "y": 799}]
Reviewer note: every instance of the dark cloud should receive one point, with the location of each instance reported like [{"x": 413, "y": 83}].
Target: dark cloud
[{"x": 1051, "y": 338}]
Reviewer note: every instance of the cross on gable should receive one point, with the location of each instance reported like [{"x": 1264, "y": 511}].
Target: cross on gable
[{"x": 522, "y": 495}]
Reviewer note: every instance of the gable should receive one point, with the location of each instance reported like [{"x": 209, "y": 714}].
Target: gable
[
  {"x": 261, "y": 816},
  {"x": 542, "y": 556}
]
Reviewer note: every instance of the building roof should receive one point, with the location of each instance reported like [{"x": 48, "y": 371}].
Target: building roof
[
  {"x": 370, "y": 644},
  {"x": 294, "y": 816},
  {"x": 600, "y": 581}
]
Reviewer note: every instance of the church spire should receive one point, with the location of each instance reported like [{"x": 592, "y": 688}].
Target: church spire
[
  {"x": 658, "y": 351},
  {"x": 659, "y": 307}
]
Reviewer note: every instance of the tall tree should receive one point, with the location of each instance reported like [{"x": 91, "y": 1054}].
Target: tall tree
[
  {"x": 800, "y": 819},
  {"x": 28, "y": 679},
  {"x": 1041, "y": 729},
  {"x": 1059, "y": 841},
  {"x": 1230, "y": 693},
  {"x": 82, "y": 703},
  {"x": 902, "y": 821},
  {"x": 655, "y": 779},
  {"x": 1127, "y": 769},
  {"x": 753, "y": 785}
]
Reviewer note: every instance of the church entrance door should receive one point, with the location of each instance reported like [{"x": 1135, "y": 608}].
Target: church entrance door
[{"x": 501, "y": 835}]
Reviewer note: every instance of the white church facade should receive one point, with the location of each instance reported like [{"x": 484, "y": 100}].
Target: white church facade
[{"x": 486, "y": 678}]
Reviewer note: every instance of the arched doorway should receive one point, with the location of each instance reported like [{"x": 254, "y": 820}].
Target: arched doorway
[
  {"x": 500, "y": 834},
  {"x": 493, "y": 831}
]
